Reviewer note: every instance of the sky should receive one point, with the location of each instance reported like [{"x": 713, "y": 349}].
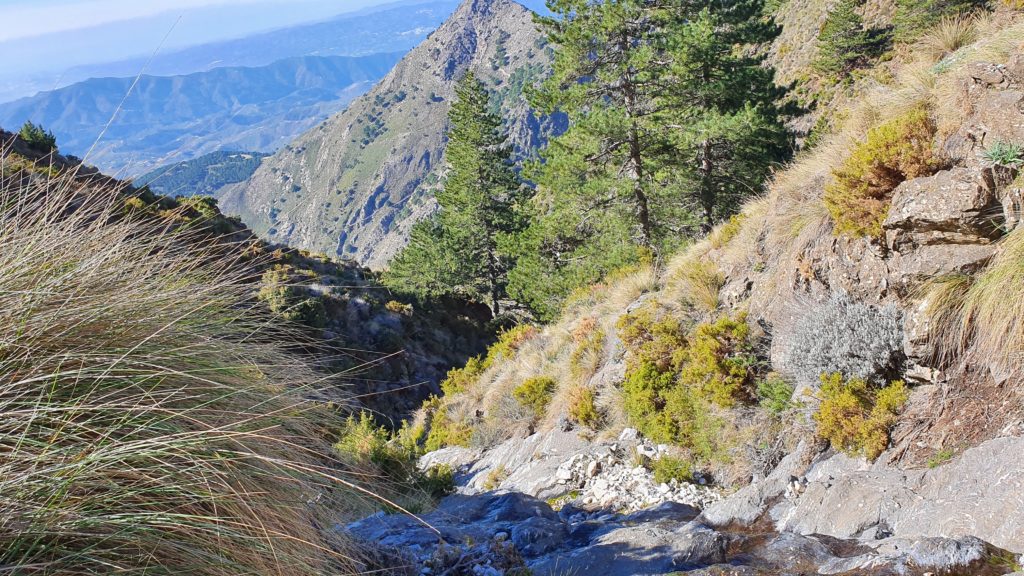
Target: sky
[
  {"x": 29, "y": 18},
  {"x": 41, "y": 40}
]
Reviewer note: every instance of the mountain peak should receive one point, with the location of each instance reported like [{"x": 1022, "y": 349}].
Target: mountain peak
[{"x": 354, "y": 186}]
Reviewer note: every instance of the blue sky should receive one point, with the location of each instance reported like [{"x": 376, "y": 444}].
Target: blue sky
[{"x": 33, "y": 18}]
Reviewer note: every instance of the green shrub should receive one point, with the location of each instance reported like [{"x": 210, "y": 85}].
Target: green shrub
[
  {"x": 36, "y": 137},
  {"x": 668, "y": 468},
  {"x": 459, "y": 380},
  {"x": 535, "y": 393},
  {"x": 855, "y": 418},
  {"x": 720, "y": 363},
  {"x": 898, "y": 150},
  {"x": 444, "y": 430},
  {"x": 674, "y": 377},
  {"x": 583, "y": 408},
  {"x": 775, "y": 394}
]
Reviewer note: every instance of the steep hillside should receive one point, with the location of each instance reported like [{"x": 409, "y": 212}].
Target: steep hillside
[
  {"x": 833, "y": 379},
  {"x": 391, "y": 354},
  {"x": 204, "y": 175},
  {"x": 173, "y": 118},
  {"x": 354, "y": 185}
]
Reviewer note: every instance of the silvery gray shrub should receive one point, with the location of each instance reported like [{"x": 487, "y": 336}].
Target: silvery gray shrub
[{"x": 846, "y": 336}]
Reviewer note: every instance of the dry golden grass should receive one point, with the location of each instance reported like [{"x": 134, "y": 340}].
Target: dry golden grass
[
  {"x": 148, "y": 422},
  {"x": 982, "y": 318},
  {"x": 951, "y": 34}
]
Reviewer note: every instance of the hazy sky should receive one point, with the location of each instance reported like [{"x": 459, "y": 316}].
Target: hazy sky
[{"x": 29, "y": 18}]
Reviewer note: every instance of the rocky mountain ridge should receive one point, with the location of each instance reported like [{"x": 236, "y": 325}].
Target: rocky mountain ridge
[{"x": 354, "y": 185}]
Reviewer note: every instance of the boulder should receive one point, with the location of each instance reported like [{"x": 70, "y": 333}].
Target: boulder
[{"x": 950, "y": 207}]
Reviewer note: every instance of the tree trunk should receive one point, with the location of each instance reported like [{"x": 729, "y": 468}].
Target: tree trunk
[{"x": 707, "y": 191}]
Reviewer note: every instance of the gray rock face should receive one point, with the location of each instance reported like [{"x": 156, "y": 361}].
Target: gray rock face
[
  {"x": 951, "y": 207},
  {"x": 980, "y": 494}
]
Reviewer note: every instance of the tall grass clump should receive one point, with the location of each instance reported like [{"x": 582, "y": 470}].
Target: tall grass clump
[{"x": 146, "y": 426}]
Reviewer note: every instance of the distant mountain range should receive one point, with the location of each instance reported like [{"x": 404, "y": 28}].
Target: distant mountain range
[
  {"x": 391, "y": 28},
  {"x": 354, "y": 185},
  {"x": 176, "y": 118}
]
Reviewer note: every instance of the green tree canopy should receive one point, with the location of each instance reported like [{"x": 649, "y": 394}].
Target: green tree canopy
[
  {"x": 35, "y": 136},
  {"x": 673, "y": 122},
  {"x": 463, "y": 250}
]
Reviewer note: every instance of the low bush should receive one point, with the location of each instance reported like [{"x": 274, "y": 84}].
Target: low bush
[
  {"x": 775, "y": 394},
  {"x": 898, "y": 150},
  {"x": 846, "y": 336},
  {"x": 444, "y": 429},
  {"x": 535, "y": 393},
  {"x": 583, "y": 407},
  {"x": 720, "y": 363},
  {"x": 675, "y": 377},
  {"x": 855, "y": 417},
  {"x": 669, "y": 468}
]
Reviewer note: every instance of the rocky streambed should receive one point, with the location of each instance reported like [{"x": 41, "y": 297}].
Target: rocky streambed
[{"x": 834, "y": 516}]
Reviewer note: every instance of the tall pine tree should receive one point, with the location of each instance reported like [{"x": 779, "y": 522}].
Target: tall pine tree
[
  {"x": 723, "y": 107},
  {"x": 462, "y": 249},
  {"x": 673, "y": 121}
]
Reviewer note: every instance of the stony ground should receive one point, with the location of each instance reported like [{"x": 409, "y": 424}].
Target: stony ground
[{"x": 840, "y": 516}]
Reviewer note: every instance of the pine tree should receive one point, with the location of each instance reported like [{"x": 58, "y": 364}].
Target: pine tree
[
  {"x": 843, "y": 43},
  {"x": 462, "y": 249},
  {"x": 672, "y": 124},
  {"x": 724, "y": 108},
  {"x": 37, "y": 137}
]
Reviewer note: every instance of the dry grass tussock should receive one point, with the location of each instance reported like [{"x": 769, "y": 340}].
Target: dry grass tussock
[
  {"x": 982, "y": 317},
  {"x": 147, "y": 423}
]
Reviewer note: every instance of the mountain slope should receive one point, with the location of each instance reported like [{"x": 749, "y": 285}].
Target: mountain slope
[
  {"x": 167, "y": 119},
  {"x": 204, "y": 175},
  {"x": 355, "y": 185}
]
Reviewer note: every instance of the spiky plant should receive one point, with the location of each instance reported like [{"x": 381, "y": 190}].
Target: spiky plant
[{"x": 149, "y": 424}]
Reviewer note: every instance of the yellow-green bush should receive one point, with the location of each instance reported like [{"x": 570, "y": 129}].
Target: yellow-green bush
[
  {"x": 535, "y": 393},
  {"x": 720, "y": 361},
  {"x": 668, "y": 468},
  {"x": 460, "y": 379},
  {"x": 583, "y": 407},
  {"x": 674, "y": 376},
  {"x": 898, "y": 150},
  {"x": 856, "y": 418},
  {"x": 444, "y": 430}
]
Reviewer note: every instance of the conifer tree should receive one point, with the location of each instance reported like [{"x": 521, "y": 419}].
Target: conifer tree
[
  {"x": 672, "y": 122},
  {"x": 843, "y": 43},
  {"x": 461, "y": 250}
]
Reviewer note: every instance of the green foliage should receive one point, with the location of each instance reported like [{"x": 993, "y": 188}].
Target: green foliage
[
  {"x": 535, "y": 393},
  {"x": 672, "y": 124},
  {"x": 898, "y": 150},
  {"x": 668, "y": 468},
  {"x": 583, "y": 407},
  {"x": 463, "y": 249},
  {"x": 720, "y": 361},
  {"x": 856, "y": 418},
  {"x": 444, "y": 430},
  {"x": 914, "y": 17},
  {"x": 38, "y": 138},
  {"x": 280, "y": 292},
  {"x": 203, "y": 175},
  {"x": 843, "y": 43},
  {"x": 775, "y": 394},
  {"x": 1005, "y": 154},
  {"x": 941, "y": 457},
  {"x": 362, "y": 442},
  {"x": 461, "y": 379},
  {"x": 674, "y": 376}
]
